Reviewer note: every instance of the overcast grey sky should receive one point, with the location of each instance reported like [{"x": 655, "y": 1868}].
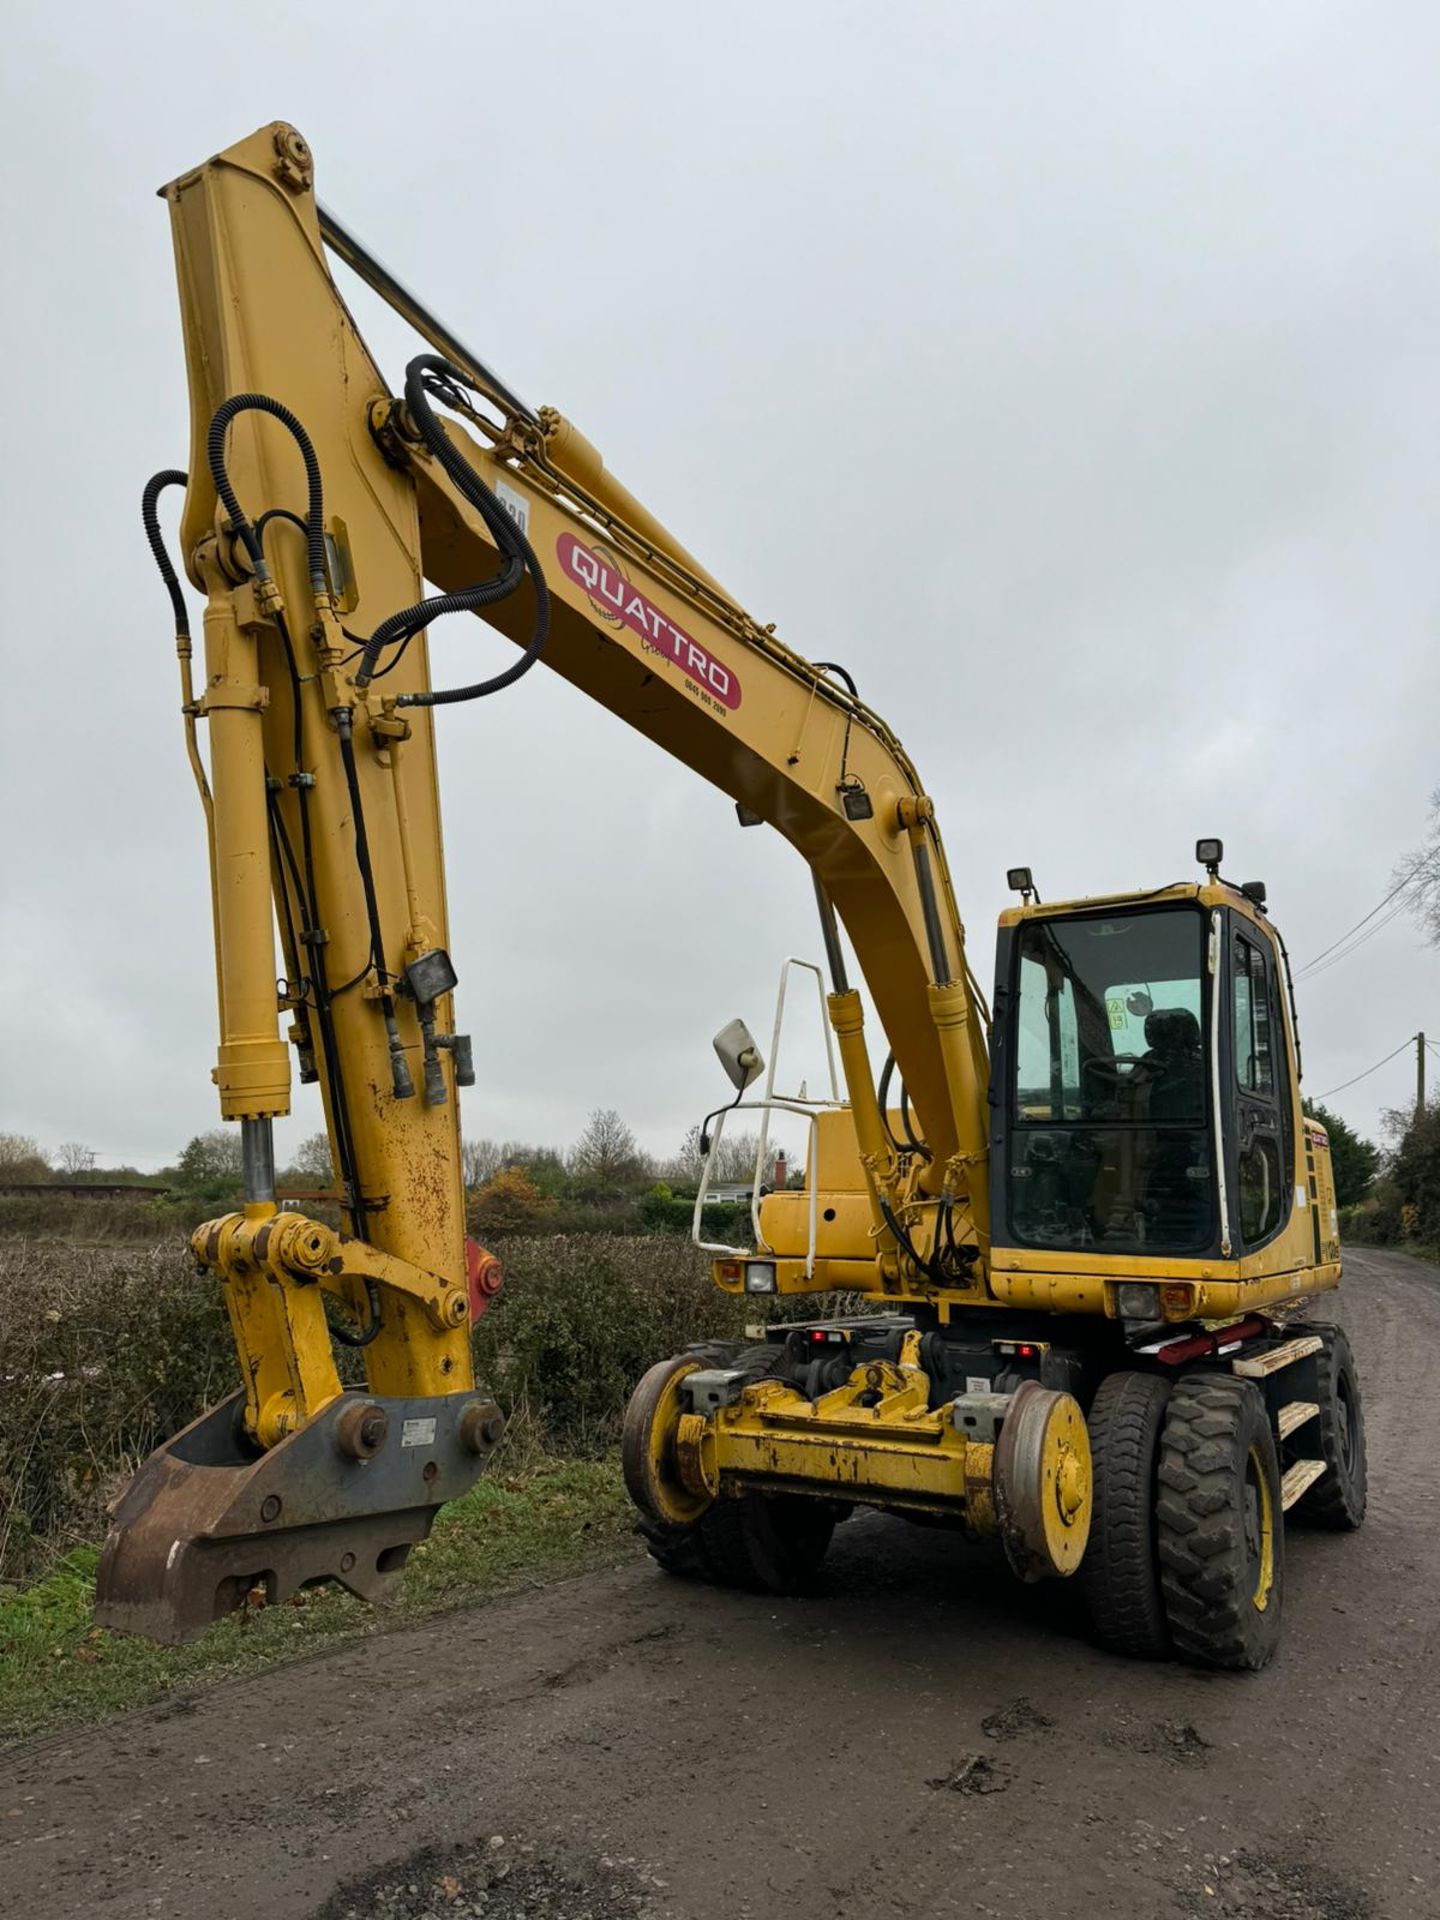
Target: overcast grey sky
[{"x": 1071, "y": 372}]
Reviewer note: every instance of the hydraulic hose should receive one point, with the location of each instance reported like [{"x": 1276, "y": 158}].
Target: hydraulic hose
[
  {"x": 315, "y": 511},
  {"x": 304, "y": 887},
  {"x": 842, "y": 674},
  {"x": 904, "y": 1241},
  {"x": 915, "y": 1144},
  {"x": 149, "y": 514},
  {"x": 401, "y": 1082},
  {"x": 426, "y": 373},
  {"x": 882, "y": 1095}
]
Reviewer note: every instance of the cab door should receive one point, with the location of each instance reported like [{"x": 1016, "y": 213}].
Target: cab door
[{"x": 1258, "y": 1099}]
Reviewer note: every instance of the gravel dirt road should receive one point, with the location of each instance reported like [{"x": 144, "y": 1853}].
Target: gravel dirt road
[{"x": 920, "y": 1737}]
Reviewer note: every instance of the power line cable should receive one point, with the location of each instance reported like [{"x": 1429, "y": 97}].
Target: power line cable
[
  {"x": 1409, "y": 1041},
  {"x": 1317, "y": 967},
  {"x": 1398, "y": 888}
]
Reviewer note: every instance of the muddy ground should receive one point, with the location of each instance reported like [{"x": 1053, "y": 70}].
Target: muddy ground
[{"x": 920, "y": 1737}]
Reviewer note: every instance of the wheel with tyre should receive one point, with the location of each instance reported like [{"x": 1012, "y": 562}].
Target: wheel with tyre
[
  {"x": 678, "y": 1549},
  {"x": 768, "y": 1543},
  {"x": 1120, "y": 1573},
  {"x": 1219, "y": 1531},
  {"x": 1337, "y": 1499}
]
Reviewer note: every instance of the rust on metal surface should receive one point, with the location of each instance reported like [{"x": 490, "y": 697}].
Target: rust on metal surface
[{"x": 208, "y": 1518}]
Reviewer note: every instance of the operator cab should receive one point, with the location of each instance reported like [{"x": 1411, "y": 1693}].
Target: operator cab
[{"x": 1143, "y": 1095}]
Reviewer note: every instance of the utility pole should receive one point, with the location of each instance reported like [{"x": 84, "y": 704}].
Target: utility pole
[{"x": 1419, "y": 1076}]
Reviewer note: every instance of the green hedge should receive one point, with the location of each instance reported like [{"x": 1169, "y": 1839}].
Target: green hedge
[
  {"x": 579, "y": 1320},
  {"x": 106, "y": 1351}
]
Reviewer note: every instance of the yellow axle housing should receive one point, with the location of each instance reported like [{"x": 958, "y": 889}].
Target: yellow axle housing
[{"x": 1014, "y": 1464}]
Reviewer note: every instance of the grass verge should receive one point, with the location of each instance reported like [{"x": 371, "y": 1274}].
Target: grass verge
[{"x": 56, "y": 1668}]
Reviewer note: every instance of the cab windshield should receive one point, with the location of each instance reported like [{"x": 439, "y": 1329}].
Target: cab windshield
[{"x": 1109, "y": 1144}]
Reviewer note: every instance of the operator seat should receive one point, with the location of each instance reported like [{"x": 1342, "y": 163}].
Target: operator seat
[
  {"x": 1176, "y": 1063},
  {"x": 1176, "y": 1066}
]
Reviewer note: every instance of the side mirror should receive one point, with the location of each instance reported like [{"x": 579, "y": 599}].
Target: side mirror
[{"x": 739, "y": 1055}]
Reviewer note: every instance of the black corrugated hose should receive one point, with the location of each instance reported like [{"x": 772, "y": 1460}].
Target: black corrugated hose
[
  {"x": 315, "y": 509},
  {"x": 149, "y": 514},
  {"x": 430, "y": 373}
]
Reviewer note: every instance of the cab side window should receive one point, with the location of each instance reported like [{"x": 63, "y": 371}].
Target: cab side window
[
  {"x": 1253, "y": 1062},
  {"x": 1260, "y": 1193}
]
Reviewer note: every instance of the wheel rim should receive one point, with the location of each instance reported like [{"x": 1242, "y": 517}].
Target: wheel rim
[
  {"x": 1042, "y": 1481},
  {"x": 652, "y": 1421},
  {"x": 1259, "y": 1531}
]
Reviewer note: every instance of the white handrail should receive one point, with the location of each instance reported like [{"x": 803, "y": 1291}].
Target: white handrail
[
  {"x": 770, "y": 1102},
  {"x": 762, "y": 1143},
  {"x": 755, "y": 1106}
]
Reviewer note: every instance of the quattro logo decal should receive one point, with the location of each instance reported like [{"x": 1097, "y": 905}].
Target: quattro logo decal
[{"x": 620, "y": 604}]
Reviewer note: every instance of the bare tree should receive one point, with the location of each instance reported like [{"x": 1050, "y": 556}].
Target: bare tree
[
  {"x": 1419, "y": 876},
  {"x": 731, "y": 1159},
  {"x": 684, "y": 1168},
  {"x": 606, "y": 1158},
  {"x": 312, "y": 1158},
  {"x": 74, "y": 1158},
  {"x": 481, "y": 1160},
  {"x": 21, "y": 1158}
]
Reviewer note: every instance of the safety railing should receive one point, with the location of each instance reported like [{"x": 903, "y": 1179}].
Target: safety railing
[{"x": 801, "y": 1104}]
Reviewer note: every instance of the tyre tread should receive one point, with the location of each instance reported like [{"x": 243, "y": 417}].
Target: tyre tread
[
  {"x": 1120, "y": 1573},
  {"x": 1210, "y": 1423},
  {"x": 1336, "y": 1501}
]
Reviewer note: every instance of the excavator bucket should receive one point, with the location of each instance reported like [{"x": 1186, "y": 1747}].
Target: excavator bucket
[{"x": 208, "y": 1518}]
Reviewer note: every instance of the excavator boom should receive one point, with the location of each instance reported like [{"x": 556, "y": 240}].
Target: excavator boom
[
  {"x": 317, "y": 506},
  {"x": 1141, "y": 1172}
]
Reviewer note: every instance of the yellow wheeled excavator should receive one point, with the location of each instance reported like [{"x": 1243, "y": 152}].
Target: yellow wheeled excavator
[{"x": 1088, "y": 1228}]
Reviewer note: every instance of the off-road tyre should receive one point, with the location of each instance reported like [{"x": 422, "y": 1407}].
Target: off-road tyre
[
  {"x": 678, "y": 1550},
  {"x": 767, "y": 1543},
  {"x": 1120, "y": 1573},
  {"x": 1219, "y": 1524},
  {"x": 1337, "y": 1499}
]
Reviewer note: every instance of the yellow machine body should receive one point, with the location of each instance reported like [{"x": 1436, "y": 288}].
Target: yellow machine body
[{"x": 324, "y": 824}]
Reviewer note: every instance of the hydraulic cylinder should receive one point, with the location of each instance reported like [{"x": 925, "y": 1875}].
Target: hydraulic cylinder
[{"x": 253, "y": 1070}]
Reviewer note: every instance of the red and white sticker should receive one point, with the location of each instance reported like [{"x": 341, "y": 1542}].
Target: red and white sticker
[{"x": 621, "y": 604}]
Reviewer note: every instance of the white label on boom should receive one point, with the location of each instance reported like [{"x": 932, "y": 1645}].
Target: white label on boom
[{"x": 515, "y": 504}]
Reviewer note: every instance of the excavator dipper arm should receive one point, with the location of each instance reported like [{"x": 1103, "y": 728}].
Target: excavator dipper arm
[{"x": 318, "y": 505}]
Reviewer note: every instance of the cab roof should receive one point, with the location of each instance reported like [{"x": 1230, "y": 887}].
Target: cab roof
[{"x": 1204, "y": 893}]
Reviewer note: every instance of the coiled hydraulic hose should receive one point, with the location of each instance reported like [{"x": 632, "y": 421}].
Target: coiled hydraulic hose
[
  {"x": 315, "y": 510},
  {"x": 428, "y": 373}
]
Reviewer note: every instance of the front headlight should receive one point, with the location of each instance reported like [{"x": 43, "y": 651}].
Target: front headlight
[
  {"x": 1137, "y": 1300},
  {"x": 760, "y": 1276}
]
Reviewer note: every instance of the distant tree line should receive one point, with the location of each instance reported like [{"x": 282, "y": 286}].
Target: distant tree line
[
  {"x": 604, "y": 1182},
  {"x": 1401, "y": 1204},
  {"x": 23, "y": 1161}
]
